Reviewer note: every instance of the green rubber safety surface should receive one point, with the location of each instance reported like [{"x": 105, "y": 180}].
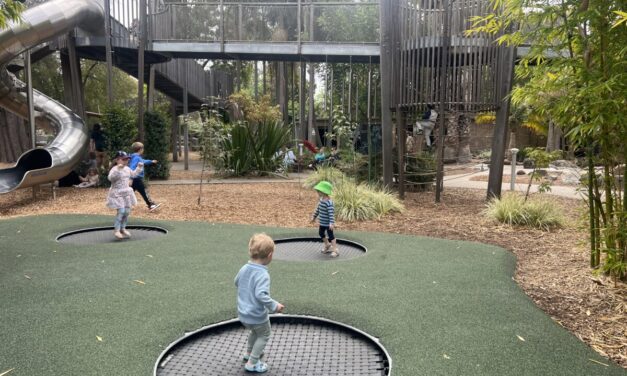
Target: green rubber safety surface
[{"x": 439, "y": 307}]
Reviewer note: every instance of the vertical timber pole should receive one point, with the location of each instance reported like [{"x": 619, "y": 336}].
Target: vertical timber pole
[
  {"x": 386, "y": 63},
  {"x": 29, "y": 97},
  {"x": 151, "y": 88},
  {"x": 301, "y": 99},
  {"x": 140, "y": 71},
  {"x": 311, "y": 129},
  {"x": 506, "y": 73},
  {"x": 185, "y": 125},
  {"x": 108, "y": 52},
  {"x": 400, "y": 147},
  {"x": 443, "y": 73}
]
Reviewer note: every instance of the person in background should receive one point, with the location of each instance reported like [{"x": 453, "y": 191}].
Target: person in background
[
  {"x": 97, "y": 145},
  {"x": 90, "y": 180}
]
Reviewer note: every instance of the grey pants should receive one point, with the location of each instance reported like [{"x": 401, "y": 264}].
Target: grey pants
[{"x": 257, "y": 339}]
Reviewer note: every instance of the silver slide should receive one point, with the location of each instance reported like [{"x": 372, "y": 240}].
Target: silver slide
[{"x": 39, "y": 24}]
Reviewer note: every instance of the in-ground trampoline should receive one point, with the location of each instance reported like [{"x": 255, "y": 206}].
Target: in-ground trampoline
[
  {"x": 300, "y": 345},
  {"x": 99, "y": 235},
  {"x": 308, "y": 249}
]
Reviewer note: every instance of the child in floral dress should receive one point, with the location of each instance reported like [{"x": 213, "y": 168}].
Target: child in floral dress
[{"x": 121, "y": 196}]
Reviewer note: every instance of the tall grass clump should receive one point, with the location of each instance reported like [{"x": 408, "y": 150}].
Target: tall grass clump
[
  {"x": 513, "y": 210},
  {"x": 355, "y": 202}
]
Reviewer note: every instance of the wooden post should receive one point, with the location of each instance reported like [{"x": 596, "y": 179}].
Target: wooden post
[
  {"x": 443, "y": 77},
  {"x": 386, "y": 62},
  {"x": 29, "y": 98},
  {"x": 140, "y": 71},
  {"x": 506, "y": 73},
  {"x": 108, "y": 51}
]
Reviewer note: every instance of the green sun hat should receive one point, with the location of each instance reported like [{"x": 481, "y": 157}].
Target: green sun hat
[{"x": 324, "y": 187}]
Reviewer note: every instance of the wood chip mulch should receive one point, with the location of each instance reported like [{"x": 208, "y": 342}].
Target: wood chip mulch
[{"x": 552, "y": 266}]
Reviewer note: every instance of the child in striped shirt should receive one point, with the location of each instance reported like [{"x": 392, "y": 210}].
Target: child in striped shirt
[{"x": 325, "y": 212}]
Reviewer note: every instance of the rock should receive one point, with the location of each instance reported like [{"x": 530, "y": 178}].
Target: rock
[
  {"x": 562, "y": 163},
  {"x": 529, "y": 163},
  {"x": 571, "y": 177},
  {"x": 521, "y": 172}
]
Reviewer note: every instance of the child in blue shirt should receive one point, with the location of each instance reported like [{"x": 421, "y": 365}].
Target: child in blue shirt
[
  {"x": 325, "y": 212},
  {"x": 254, "y": 301},
  {"x": 138, "y": 181}
]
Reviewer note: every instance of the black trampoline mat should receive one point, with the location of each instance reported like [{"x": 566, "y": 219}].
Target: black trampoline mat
[
  {"x": 309, "y": 249},
  {"x": 299, "y": 345},
  {"x": 99, "y": 235}
]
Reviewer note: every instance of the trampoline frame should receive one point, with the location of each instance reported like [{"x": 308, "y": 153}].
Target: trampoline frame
[
  {"x": 274, "y": 319},
  {"x": 109, "y": 228}
]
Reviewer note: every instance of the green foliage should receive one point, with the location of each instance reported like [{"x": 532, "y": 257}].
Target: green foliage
[
  {"x": 157, "y": 145},
  {"x": 353, "y": 201},
  {"x": 256, "y": 112},
  {"x": 343, "y": 128},
  {"x": 541, "y": 157},
  {"x": 95, "y": 86},
  {"x": 10, "y": 10},
  {"x": 512, "y": 209},
  {"x": 420, "y": 170},
  {"x": 574, "y": 75},
  {"x": 253, "y": 147},
  {"x": 119, "y": 129},
  {"x": 213, "y": 133}
]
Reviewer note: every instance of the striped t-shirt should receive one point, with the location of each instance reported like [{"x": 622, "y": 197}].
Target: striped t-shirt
[{"x": 325, "y": 212}]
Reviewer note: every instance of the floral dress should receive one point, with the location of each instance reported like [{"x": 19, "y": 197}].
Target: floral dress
[{"x": 121, "y": 195}]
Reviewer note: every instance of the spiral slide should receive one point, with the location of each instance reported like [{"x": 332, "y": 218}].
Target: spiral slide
[{"x": 40, "y": 24}]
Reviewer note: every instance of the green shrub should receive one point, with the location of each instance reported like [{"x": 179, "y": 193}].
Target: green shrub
[
  {"x": 253, "y": 147},
  {"x": 157, "y": 145},
  {"x": 536, "y": 212},
  {"x": 355, "y": 202},
  {"x": 119, "y": 129}
]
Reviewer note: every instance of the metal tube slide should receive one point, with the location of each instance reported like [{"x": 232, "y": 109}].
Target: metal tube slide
[{"x": 40, "y": 24}]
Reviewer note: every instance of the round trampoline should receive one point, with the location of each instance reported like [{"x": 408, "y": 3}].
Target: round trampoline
[
  {"x": 308, "y": 249},
  {"x": 299, "y": 345},
  {"x": 99, "y": 235}
]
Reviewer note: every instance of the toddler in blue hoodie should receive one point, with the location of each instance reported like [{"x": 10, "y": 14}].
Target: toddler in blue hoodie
[{"x": 254, "y": 301}]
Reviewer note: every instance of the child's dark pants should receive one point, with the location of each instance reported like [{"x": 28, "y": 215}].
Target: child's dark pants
[
  {"x": 329, "y": 232},
  {"x": 138, "y": 185}
]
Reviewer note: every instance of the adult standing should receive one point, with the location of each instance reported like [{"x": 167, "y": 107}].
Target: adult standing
[{"x": 98, "y": 145}]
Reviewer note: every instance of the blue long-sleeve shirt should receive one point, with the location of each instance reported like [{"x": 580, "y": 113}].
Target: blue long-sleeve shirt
[
  {"x": 135, "y": 159},
  {"x": 253, "y": 294}
]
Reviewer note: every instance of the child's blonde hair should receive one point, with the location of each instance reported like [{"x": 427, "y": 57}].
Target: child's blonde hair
[
  {"x": 137, "y": 146},
  {"x": 260, "y": 246}
]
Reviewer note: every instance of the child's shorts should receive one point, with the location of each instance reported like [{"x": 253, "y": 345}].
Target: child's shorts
[{"x": 325, "y": 229}]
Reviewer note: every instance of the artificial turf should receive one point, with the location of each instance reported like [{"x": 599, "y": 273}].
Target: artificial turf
[{"x": 439, "y": 307}]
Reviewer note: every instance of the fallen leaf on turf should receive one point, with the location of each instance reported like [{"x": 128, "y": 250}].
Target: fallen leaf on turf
[
  {"x": 592, "y": 360},
  {"x": 99, "y": 338},
  {"x": 27, "y": 277},
  {"x": 334, "y": 273},
  {"x": 149, "y": 256},
  {"x": 446, "y": 356},
  {"x": 521, "y": 338},
  {"x": 140, "y": 282},
  {"x": 6, "y": 372}
]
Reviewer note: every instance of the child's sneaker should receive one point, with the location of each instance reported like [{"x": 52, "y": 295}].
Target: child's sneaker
[
  {"x": 259, "y": 367},
  {"x": 154, "y": 207},
  {"x": 125, "y": 233},
  {"x": 335, "y": 253},
  {"x": 118, "y": 234}
]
